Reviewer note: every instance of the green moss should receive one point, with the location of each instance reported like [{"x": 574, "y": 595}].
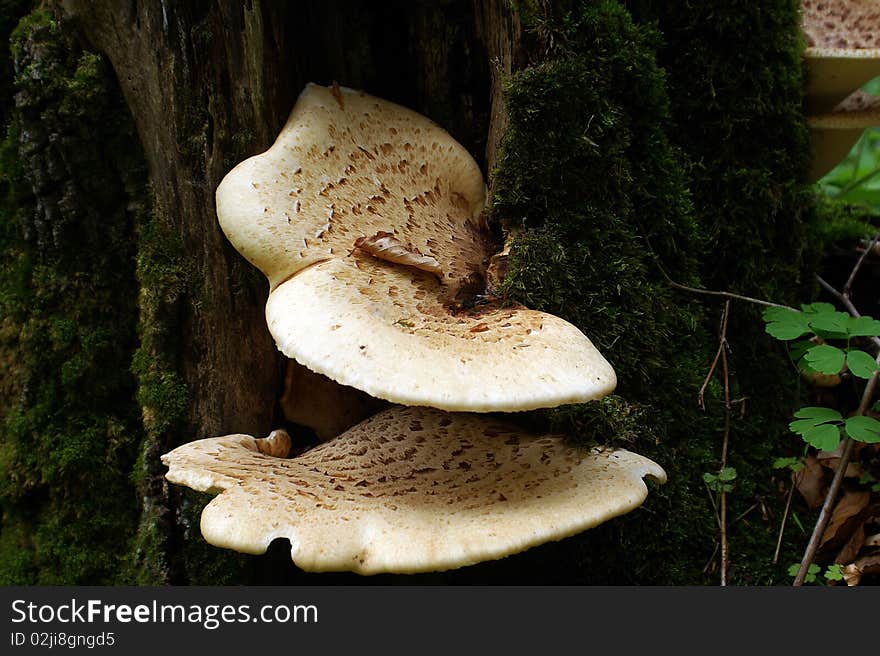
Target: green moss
[
  {"x": 587, "y": 169},
  {"x": 609, "y": 179},
  {"x": 67, "y": 443},
  {"x": 842, "y": 224},
  {"x": 164, "y": 277}
]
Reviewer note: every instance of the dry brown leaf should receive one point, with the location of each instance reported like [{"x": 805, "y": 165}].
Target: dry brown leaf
[
  {"x": 385, "y": 246},
  {"x": 853, "y": 572},
  {"x": 830, "y": 459},
  {"x": 853, "y": 546},
  {"x": 811, "y": 482},
  {"x": 848, "y": 515}
]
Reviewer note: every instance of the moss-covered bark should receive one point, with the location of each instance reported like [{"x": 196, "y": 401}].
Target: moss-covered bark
[
  {"x": 667, "y": 137},
  {"x": 73, "y": 185},
  {"x": 613, "y": 181}
]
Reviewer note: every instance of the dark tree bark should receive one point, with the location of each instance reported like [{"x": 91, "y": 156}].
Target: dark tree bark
[{"x": 211, "y": 83}]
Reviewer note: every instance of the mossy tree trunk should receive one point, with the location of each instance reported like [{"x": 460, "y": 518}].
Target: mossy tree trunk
[
  {"x": 564, "y": 99},
  {"x": 209, "y": 84}
]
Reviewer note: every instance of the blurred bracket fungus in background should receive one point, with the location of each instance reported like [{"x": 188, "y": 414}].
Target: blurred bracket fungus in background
[{"x": 842, "y": 55}]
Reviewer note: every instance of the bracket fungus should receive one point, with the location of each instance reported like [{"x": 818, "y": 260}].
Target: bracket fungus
[
  {"x": 833, "y": 134},
  {"x": 408, "y": 490},
  {"x": 368, "y": 220},
  {"x": 843, "y": 49}
]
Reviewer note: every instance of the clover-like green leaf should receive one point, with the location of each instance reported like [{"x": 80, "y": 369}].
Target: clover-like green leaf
[
  {"x": 727, "y": 474},
  {"x": 810, "y": 576},
  {"x": 794, "y": 464},
  {"x": 860, "y": 363},
  {"x": 818, "y": 413},
  {"x": 834, "y": 572},
  {"x": 785, "y": 324},
  {"x": 825, "y": 358},
  {"x": 830, "y": 322},
  {"x": 819, "y": 427},
  {"x": 863, "y": 327},
  {"x": 863, "y": 429},
  {"x": 798, "y": 349},
  {"x": 817, "y": 308}
]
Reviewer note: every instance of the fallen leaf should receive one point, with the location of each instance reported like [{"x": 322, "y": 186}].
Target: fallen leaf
[
  {"x": 811, "y": 482},
  {"x": 853, "y": 572},
  {"x": 385, "y": 246},
  {"x": 848, "y": 515},
  {"x": 851, "y": 549}
]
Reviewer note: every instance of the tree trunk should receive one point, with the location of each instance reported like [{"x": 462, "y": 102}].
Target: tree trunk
[
  {"x": 211, "y": 83},
  {"x": 610, "y": 163}
]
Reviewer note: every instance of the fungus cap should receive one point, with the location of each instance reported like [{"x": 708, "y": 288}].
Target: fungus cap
[
  {"x": 383, "y": 330},
  {"x": 347, "y": 165},
  {"x": 833, "y": 134},
  {"x": 367, "y": 218},
  {"x": 408, "y": 490},
  {"x": 843, "y": 50}
]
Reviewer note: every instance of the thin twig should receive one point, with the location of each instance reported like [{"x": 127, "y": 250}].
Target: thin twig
[
  {"x": 846, "y": 303},
  {"x": 709, "y": 292},
  {"x": 795, "y": 478},
  {"x": 831, "y": 496},
  {"x": 721, "y": 508},
  {"x": 725, "y": 445},
  {"x": 847, "y": 288},
  {"x": 714, "y": 506},
  {"x": 711, "y": 558},
  {"x": 825, "y": 514},
  {"x": 702, "y": 392},
  {"x": 730, "y": 295},
  {"x": 722, "y": 343},
  {"x": 746, "y": 512}
]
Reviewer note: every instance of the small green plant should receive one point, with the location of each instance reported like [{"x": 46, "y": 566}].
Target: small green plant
[
  {"x": 811, "y": 572},
  {"x": 834, "y": 572},
  {"x": 791, "y": 463},
  {"x": 831, "y": 573},
  {"x": 722, "y": 481},
  {"x": 868, "y": 479},
  {"x": 823, "y": 342}
]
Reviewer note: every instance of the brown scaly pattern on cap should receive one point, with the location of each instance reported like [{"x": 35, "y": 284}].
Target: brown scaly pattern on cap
[
  {"x": 859, "y": 102},
  {"x": 368, "y": 220},
  {"x": 346, "y": 166},
  {"x": 409, "y": 490},
  {"x": 843, "y": 24},
  {"x": 388, "y": 331}
]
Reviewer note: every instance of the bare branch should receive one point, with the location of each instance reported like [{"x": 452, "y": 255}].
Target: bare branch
[{"x": 847, "y": 288}]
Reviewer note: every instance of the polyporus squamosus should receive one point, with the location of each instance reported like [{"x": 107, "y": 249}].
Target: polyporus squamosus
[
  {"x": 833, "y": 134},
  {"x": 352, "y": 185},
  {"x": 368, "y": 220},
  {"x": 843, "y": 49},
  {"x": 408, "y": 490}
]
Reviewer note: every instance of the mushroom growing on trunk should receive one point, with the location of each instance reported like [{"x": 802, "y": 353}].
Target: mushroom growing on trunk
[
  {"x": 404, "y": 320},
  {"x": 408, "y": 490},
  {"x": 368, "y": 220}
]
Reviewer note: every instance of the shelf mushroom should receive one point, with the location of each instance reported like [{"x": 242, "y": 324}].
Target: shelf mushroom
[
  {"x": 843, "y": 49},
  {"x": 367, "y": 218},
  {"x": 408, "y": 490},
  {"x": 833, "y": 134},
  {"x": 368, "y": 221}
]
